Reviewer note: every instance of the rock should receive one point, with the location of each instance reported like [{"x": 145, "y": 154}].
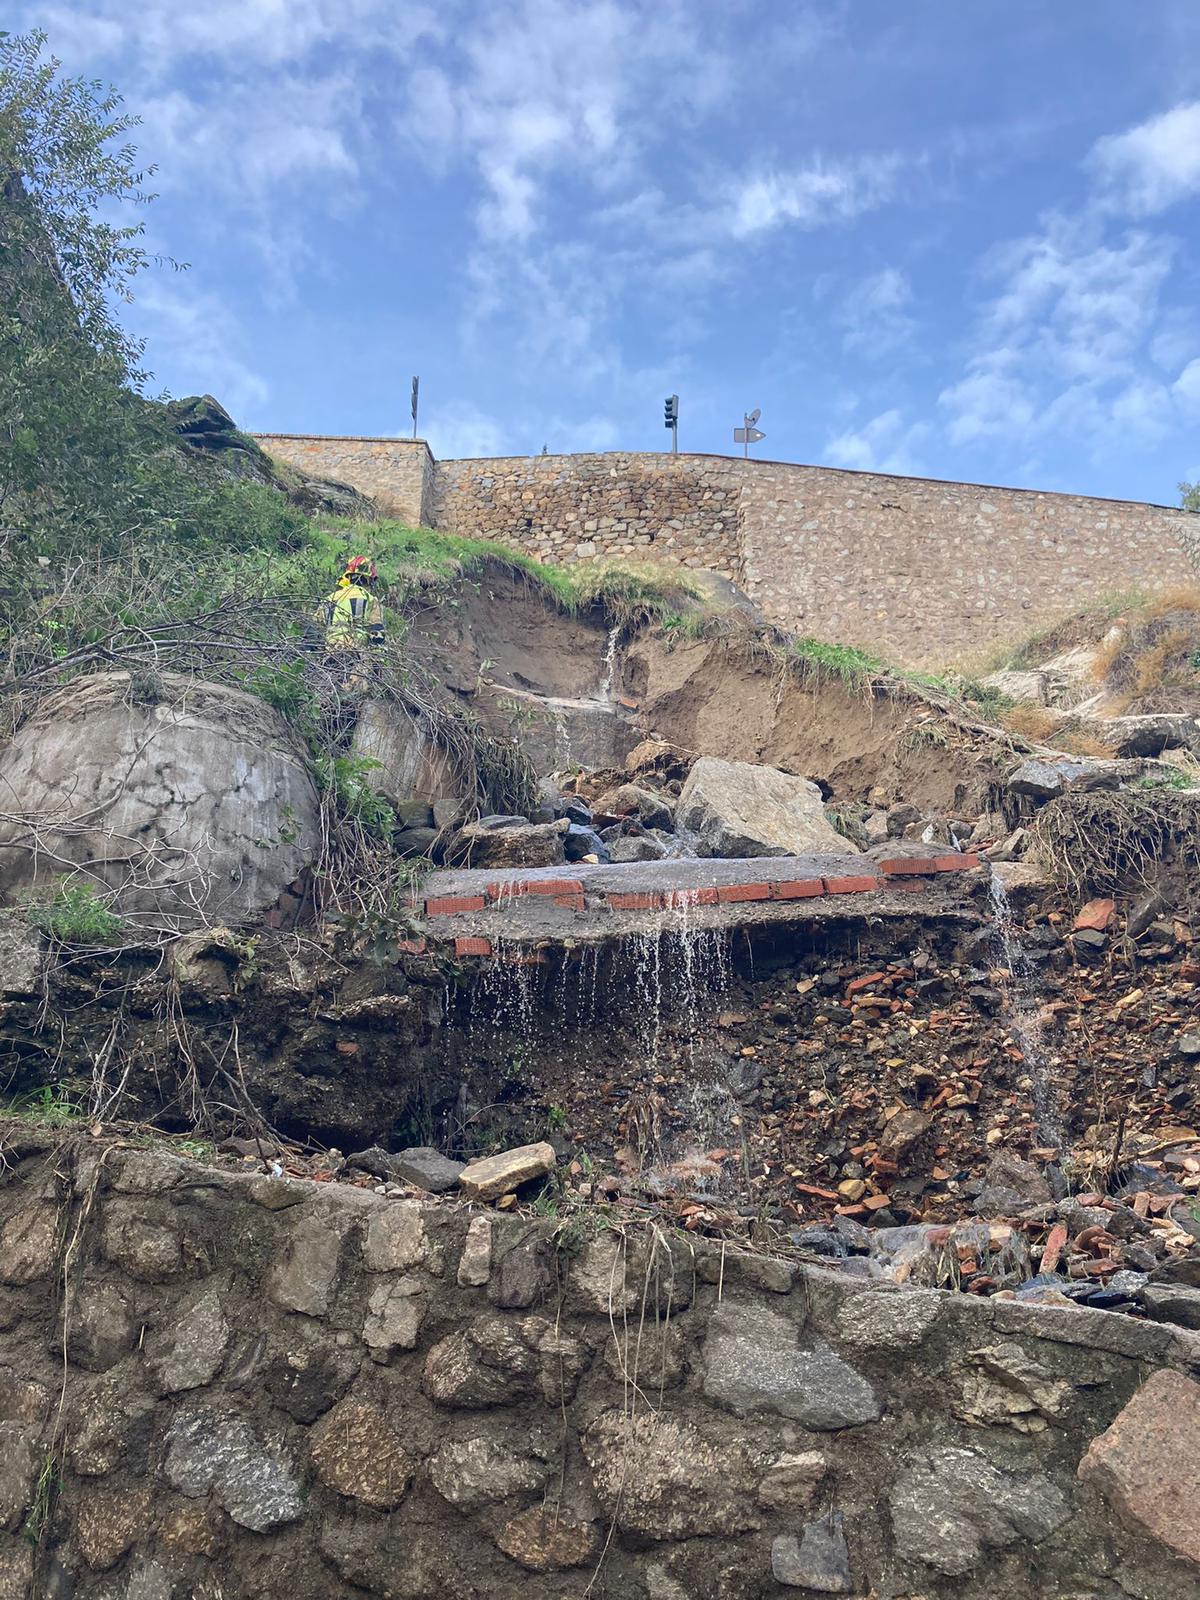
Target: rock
[
  {"x": 754, "y": 1363},
  {"x": 525, "y": 844},
  {"x": 652, "y": 810},
  {"x": 395, "y": 1240},
  {"x": 475, "y": 1472},
  {"x": 21, "y": 1455},
  {"x": 1150, "y": 734},
  {"x": 22, "y": 957},
  {"x": 1096, "y": 914},
  {"x": 149, "y": 1581},
  {"x": 21, "y": 1400},
  {"x": 305, "y": 1382},
  {"x": 189, "y": 1352},
  {"x": 1147, "y": 1463},
  {"x": 16, "y": 1569},
  {"x": 949, "y": 1506},
  {"x": 582, "y": 844},
  {"x": 410, "y": 767},
  {"x": 1044, "y": 778},
  {"x": 136, "y": 782},
  {"x": 28, "y": 1244},
  {"x": 546, "y": 1542},
  {"x": 108, "y": 1522},
  {"x": 492, "y": 1176},
  {"x": 661, "y": 1477},
  {"x": 1010, "y": 1184},
  {"x": 305, "y": 1276},
  {"x": 144, "y": 1248},
  {"x": 524, "y": 1273},
  {"x": 1017, "y": 685},
  {"x": 475, "y": 1263},
  {"x": 357, "y": 1453},
  {"x": 426, "y": 1169},
  {"x": 740, "y": 809},
  {"x": 101, "y": 1327},
  {"x": 1003, "y": 1385},
  {"x": 791, "y": 1481},
  {"x": 638, "y": 847},
  {"x": 218, "y": 1452},
  {"x": 391, "y": 1559},
  {"x": 818, "y": 1560},
  {"x": 884, "y": 1321},
  {"x": 113, "y": 1429},
  {"x": 1172, "y": 1302},
  {"x": 395, "y": 1312},
  {"x": 902, "y": 1132},
  {"x": 1188, "y": 1045},
  {"x": 494, "y": 1361}
]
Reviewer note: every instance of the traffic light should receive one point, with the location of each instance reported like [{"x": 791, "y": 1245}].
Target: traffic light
[{"x": 671, "y": 412}]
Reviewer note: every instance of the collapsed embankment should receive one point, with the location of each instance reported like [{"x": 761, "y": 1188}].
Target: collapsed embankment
[{"x": 227, "y": 1384}]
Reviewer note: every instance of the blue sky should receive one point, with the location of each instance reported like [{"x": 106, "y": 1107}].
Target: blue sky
[{"x": 950, "y": 237}]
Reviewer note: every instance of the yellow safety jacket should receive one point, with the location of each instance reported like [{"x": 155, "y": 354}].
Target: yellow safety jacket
[{"x": 351, "y": 617}]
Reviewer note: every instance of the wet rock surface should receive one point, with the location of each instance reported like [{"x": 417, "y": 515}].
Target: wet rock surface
[{"x": 738, "y": 809}]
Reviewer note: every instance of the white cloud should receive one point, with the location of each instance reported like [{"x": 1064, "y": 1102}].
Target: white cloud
[
  {"x": 875, "y": 313},
  {"x": 988, "y": 402},
  {"x": 460, "y": 429},
  {"x": 811, "y": 196},
  {"x": 194, "y": 333},
  {"x": 885, "y": 444},
  {"x": 1154, "y": 165}
]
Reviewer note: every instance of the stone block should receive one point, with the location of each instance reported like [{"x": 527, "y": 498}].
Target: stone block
[
  {"x": 1147, "y": 1463},
  {"x": 754, "y": 1362},
  {"x": 475, "y": 1263},
  {"x": 489, "y": 1178},
  {"x": 479, "y": 1471},
  {"x": 879, "y": 1320},
  {"x": 218, "y": 1452},
  {"x": 189, "y": 1352},
  {"x": 950, "y": 1506},
  {"x": 21, "y": 1457},
  {"x": 108, "y": 1522},
  {"x": 819, "y": 1560},
  {"x": 395, "y": 1312},
  {"x": 395, "y": 1239},
  {"x": 545, "y": 1541},
  {"x": 358, "y": 1453},
  {"x": 304, "y": 1278},
  {"x": 28, "y": 1243},
  {"x": 101, "y": 1326}
]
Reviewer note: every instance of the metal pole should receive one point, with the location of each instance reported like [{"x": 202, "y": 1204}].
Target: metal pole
[
  {"x": 416, "y": 387},
  {"x": 746, "y": 445}
]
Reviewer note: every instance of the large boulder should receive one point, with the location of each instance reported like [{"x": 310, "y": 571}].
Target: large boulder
[
  {"x": 189, "y": 800},
  {"x": 739, "y": 809},
  {"x": 411, "y": 771}
]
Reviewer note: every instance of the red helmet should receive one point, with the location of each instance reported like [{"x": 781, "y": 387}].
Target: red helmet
[{"x": 359, "y": 567}]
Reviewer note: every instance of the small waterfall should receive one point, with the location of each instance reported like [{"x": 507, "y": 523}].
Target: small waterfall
[
  {"x": 1023, "y": 1014},
  {"x": 610, "y": 665}
]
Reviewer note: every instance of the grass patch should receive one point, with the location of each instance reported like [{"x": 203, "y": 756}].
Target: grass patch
[
  {"x": 854, "y": 668},
  {"x": 74, "y": 914}
]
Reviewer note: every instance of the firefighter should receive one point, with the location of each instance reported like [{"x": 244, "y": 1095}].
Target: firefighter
[{"x": 352, "y": 616}]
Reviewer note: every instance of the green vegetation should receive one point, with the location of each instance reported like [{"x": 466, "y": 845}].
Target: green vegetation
[
  {"x": 51, "y": 1105},
  {"x": 74, "y": 914}
]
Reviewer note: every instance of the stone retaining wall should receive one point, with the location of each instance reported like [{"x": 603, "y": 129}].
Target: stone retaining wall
[
  {"x": 920, "y": 570},
  {"x": 226, "y": 1384}
]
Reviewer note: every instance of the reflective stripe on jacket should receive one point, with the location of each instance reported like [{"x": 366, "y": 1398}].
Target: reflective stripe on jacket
[{"x": 351, "y": 616}]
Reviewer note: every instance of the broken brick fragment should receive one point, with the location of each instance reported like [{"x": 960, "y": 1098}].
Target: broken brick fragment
[
  {"x": 851, "y": 885},
  {"x": 472, "y": 947},
  {"x": 451, "y": 905},
  {"x": 1097, "y": 915}
]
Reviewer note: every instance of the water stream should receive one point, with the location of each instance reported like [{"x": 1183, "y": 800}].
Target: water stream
[
  {"x": 1023, "y": 1013},
  {"x": 610, "y": 665}
]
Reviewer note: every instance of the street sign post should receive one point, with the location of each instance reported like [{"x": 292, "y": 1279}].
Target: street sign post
[
  {"x": 416, "y": 389},
  {"x": 748, "y": 434}
]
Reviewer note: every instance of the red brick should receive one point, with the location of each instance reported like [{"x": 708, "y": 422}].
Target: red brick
[
  {"x": 555, "y": 886},
  {"x": 857, "y": 985},
  {"x": 955, "y": 863},
  {"x": 450, "y": 905},
  {"x": 472, "y": 947},
  {"x": 730, "y": 894},
  {"x": 797, "y": 889},
  {"x": 645, "y": 900},
  {"x": 857, "y": 885},
  {"x": 571, "y": 902},
  {"x": 908, "y": 866},
  {"x": 411, "y": 947},
  {"x": 707, "y": 897},
  {"x": 908, "y": 885}
]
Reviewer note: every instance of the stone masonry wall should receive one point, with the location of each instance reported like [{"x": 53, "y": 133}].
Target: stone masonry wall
[
  {"x": 396, "y": 473},
  {"x": 217, "y": 1384},
  {"x": 681, "y": 510},
  {"x": 921, "y": 571}
]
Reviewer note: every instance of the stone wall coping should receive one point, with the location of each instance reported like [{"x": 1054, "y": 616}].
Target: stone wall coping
[{"x": 742, "y": 464}]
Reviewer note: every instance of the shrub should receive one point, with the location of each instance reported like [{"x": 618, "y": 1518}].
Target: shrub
[{"x": 75, "y": 915}]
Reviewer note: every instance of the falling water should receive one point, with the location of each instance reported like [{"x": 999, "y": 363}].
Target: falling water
[
  {"x": 1023, "y": 1013},
  {"x": 610, "y": 665}
]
